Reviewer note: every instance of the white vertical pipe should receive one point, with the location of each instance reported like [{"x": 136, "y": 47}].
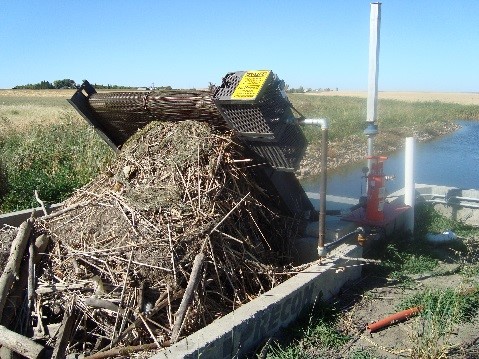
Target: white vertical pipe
[
  {"x": 374, "y": 33},
  {"x": 371, "y": 115},
  {"x": 409, "y": 188}
]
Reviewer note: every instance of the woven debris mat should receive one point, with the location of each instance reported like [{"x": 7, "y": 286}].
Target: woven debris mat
[{"x": 176, "y": 233}]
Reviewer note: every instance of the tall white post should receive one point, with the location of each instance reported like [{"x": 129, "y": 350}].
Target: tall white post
[
  {"x": 371, "y": 116},
  {"x": 409, "y": 188},
  {"x": 374, "y": 35}
]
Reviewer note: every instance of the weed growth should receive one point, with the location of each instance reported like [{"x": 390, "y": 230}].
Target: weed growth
[
  {"x": 312, "y": 337},
  {"x": 398, "y": 118},
  {"x": 362, "y": 354},
  {"x": 54, "y": 160},
  {"x": 430, "y": 220},
  {"x": 441, "y": 311}
]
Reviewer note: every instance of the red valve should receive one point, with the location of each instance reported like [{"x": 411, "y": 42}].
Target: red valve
[{"x": 376, "y": 189}]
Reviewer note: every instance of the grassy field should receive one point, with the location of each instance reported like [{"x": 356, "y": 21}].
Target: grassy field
[
  {"x": 462, "y": 98},
  {"x": 47, "y": 146},
  {"x": 347, "y": 114}
]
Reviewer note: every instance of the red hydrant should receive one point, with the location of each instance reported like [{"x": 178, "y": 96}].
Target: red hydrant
[{"x": 376, "y": 189}]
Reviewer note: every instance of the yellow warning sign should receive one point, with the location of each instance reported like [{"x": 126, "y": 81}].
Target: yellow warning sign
[{"x": 250, "y": 85}]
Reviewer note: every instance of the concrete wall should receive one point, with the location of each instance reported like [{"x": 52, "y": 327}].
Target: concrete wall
[
  {"x": 455, "y": 203},
  {"x": 16, "y": 218},
  {"x": 243, "y": 330}
]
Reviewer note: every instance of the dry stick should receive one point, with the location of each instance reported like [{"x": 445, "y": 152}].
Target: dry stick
[
  {"x": 124, "y": 351},
  {"x": 20, "y": 344},
  {"x": 65, "y": 332},
  {"x": 158, "y": 325},
  {"x": 122, "y": 295},
  {"x": 31, "y": 280},
  {"x": 65, "y": 210},
  {"x": 216, "y": 266},
  {"x": 168, "y": 311},
  {"x": 149, "y": 330},
  {"x": 231, "y": 211},
  {"x": 12, "y": 268},
  {"x": 172, "y": 252},
  {"x": 199, "y": 181},
  {"x": 45, "y": 213},
  {"x": 189, "y": 292},
  {"x": 160, "y": 304},
  {"x": 186, "y": 189},
  {"x": 103, "y": 304},
  {"x": 142, "y": 264}
]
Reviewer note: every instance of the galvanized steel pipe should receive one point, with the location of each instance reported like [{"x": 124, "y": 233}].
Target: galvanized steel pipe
[{"x": 323, "y": 181}]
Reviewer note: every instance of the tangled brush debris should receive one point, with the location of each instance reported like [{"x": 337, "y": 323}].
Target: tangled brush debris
[{"x": 176, "y": 233}]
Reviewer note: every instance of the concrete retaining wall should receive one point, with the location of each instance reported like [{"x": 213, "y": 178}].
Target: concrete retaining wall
[
  {"x": 16, "y": 218},
  {"x": 455, "y": 203},
  {"x": 243, "y": 330}
]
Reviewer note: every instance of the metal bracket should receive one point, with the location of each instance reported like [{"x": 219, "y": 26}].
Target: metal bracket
[{"x": 80, "y": 102}]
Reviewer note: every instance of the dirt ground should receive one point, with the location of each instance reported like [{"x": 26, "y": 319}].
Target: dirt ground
[{"x": 374, "y": 298}]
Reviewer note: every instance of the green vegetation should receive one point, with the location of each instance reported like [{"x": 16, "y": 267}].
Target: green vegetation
[
  {"x": 54, "y": 160},
  {"x": 312, "y": 337},
  {"x": 442, "y": 310},
  {"x": 347, "y": 115},
  {"x": 401, "y": 260},
  {"x": 68, "y": 84},
  {"x": 46, "y": 85}
]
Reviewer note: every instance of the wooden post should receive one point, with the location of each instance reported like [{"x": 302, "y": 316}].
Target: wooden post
[
  {"x": 66, "y": 331},
  {"x": 190, "y": 290},
  {"x": 20, "y": 344},
  {"x": 12, "y": 268}
]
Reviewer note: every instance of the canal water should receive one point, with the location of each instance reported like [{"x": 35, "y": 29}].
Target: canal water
[{"x": 452, "y": 160}]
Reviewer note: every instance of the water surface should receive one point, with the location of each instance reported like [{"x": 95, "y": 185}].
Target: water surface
[{"x": 452, "y": 160}]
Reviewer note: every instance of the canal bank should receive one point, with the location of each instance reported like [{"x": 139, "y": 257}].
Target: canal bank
[{"x": 450, "y": 160}]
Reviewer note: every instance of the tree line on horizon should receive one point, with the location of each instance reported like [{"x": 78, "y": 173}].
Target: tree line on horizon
[
  {"x": 64, "y": 84},
  {"x": 47, "y": 85},
  {"x": 71, "y": 84}
]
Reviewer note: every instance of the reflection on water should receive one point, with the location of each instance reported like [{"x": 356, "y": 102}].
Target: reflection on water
[{"x": 452, "y": 160}]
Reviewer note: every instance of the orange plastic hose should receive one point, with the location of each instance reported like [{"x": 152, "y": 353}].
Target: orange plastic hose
[{"x": 394, "y": 318}]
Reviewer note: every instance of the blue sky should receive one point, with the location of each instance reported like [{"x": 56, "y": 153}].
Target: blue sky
[{"x": 426, "y": 45}]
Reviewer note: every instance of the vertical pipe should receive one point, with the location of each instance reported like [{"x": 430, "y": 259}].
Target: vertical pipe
[
  {"x": 322, "y": 252},
  {"x": 322, "y": 193},
  {"x": 372, "y": 102},
  {"x": 374, "y": 26},
  {"x": 409, "y": 190}
]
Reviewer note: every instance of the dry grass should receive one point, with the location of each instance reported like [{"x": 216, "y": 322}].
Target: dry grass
[
  {"x": 463, "y": 98},
  {"x": 21, "y": 108},
  {"x": 37, "y": 93}
]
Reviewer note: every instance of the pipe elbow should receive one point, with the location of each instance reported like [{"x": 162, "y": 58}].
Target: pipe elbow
[{"x": 317, "y": 122}]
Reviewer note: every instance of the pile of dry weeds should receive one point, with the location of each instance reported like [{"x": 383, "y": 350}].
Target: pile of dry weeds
[{"x": 124, "y": 246}]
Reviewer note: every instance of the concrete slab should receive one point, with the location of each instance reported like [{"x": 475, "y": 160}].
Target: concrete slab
[
  {"x": 333, "y": 202},
  {"x": 307, "y": 246},
  {"x": 243, "y": 330}
]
